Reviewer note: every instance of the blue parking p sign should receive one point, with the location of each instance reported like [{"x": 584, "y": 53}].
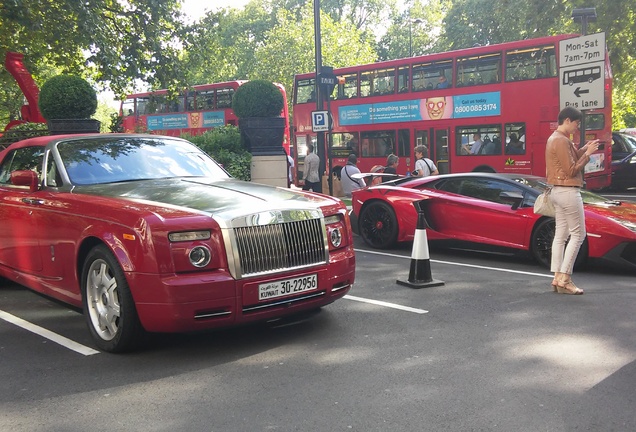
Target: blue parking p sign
[{"x": 320, "y": 121}]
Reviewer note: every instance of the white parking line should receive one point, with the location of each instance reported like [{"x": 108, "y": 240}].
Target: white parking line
[
  {"x": 461, "y": 264},
  {"x": 61, "y": 340},
  {"x": 386, "y": 304}
]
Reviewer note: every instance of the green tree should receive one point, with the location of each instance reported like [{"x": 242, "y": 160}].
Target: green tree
[
  {"x": 291, "y": 49},
  {"x": 112, "y": 41},
  {"x": 105, "y": 114},
  {"x": 221, "y": 46},
  {"x": 414, "y": 31},
  {"x": 224, "y": 145},
  {"x": 254, "y": 44}
]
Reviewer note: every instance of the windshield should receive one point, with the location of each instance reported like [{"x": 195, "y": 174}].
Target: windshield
[
  {"x": 117, "y": 159},
  {"x": 631, "y": 141}
]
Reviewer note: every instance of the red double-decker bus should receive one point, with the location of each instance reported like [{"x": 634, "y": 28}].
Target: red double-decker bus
[
  {"x": 507, "y": 93},
  {"x": 194, "y": 111}
]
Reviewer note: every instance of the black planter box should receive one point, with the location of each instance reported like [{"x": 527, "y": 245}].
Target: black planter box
[
  {"x": 263, "y": 136},
  {"x": 73, "y": 126}
]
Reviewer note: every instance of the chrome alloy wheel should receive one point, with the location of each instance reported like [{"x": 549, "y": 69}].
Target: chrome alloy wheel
[{"x": 103, "y": 299}]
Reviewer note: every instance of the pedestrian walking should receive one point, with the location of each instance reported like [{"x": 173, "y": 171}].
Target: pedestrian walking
[{"x": 312, "y": 175}]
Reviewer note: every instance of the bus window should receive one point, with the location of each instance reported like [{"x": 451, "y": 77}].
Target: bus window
[
  {"x": 162, "y": 105},
  {"x": 531, "y": 63},
  {"x": 404, "y": 143},
  {"x": 441, "y": 149},
  {"x": 224, "y": 98},
  {"x": 594, "y": 122},
  {"x": 515, "y": 139},
  {"x": 142, "y": 103},
  {"x": 384, "y": 81},
  {"x": 205, "y": 100},
  {"x": 377, "y": 143},
  {"x": 190, "y": 101},
  {"x": 349, "y": 89},
  {"x": 343, "y": 144},
  {"x": 478, "y": 140},
  {"x": 366, "y": 78},
  {"x": 403, "y": 79},
  {"x": 478, "y": 70},
  {"x": 156, "y": 104},
  {"x": 128, "y": 107},
  {"x": 305, "y": 91},
  {"x": 426, "y": 76},
  {"x": 172, "y": 105}
]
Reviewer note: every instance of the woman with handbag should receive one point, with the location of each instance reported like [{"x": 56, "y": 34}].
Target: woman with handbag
[{"x": 565, "y": 165}]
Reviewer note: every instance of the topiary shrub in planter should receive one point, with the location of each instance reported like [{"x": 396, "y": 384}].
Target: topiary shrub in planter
[
  {"x": 67, "y": 102},
  {"x": 224, "y": 145},
  {"x": 258, "y": 105}
]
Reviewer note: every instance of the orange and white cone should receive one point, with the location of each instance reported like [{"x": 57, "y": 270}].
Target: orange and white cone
[{"x": 420, "y": 271}]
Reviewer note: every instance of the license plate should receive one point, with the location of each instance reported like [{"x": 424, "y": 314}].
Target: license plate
[{"x": 285, "y": 287}]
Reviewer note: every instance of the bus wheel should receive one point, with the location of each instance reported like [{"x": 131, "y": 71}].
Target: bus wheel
[
  {"x": 378, "y": 225},
  {"x": 541, "y": 245}
]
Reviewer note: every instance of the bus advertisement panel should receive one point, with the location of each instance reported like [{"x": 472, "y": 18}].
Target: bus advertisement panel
[
  {"x": 199, "y": 109},
  {"x": 504, "y": 97}
]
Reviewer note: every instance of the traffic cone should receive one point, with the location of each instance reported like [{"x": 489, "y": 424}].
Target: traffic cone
[{"x": 420, "y": 272}]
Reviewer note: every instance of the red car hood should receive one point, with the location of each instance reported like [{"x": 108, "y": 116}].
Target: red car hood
[
  {"x": 213, "y": 196},
  {"x": 625, "y": 211}
]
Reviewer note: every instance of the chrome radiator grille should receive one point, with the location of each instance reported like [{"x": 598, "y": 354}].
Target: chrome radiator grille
[{"x": 280, "y": 246}]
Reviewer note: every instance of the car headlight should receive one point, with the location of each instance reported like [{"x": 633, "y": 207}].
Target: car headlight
[
  {"x": 627, "y": 224},
  {"x": 200, "y": 256},
  {"x": 335, "y": 237}
]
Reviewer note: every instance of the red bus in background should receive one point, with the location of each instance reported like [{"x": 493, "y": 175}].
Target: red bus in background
[
  {"x": 508, "y": 93},
  {"x": 199, "y": 109}
]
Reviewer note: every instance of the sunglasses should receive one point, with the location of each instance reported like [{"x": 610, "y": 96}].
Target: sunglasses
[{"x": 432, "y": 105}]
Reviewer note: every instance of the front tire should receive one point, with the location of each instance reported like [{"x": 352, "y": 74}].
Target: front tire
[
  {"x": 541, "y": 245},
  {"x": 109, "y": 308},
  {"x": 378, "y": 225}
]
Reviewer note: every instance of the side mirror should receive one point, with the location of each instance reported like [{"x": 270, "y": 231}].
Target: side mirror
[
  {"x": 515, "y": 198},
  {"x": 26, "y": 178}
]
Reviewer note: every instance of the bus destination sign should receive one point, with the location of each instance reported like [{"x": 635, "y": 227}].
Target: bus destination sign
[{"x": 582, "y": 72}]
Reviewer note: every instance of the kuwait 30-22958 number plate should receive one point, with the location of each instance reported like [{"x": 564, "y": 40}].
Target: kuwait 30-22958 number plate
[{"x": 287, "y": 286}]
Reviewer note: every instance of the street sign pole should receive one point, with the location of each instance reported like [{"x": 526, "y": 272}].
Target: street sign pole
[
  {"x": 320, "y": 136},
  {"x": 329, "y": 146},
  {"x": 584, "y": 15},
  {"x": 328, "y": 83}
]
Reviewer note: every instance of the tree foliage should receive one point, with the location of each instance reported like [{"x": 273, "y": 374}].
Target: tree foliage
[
  {"x": 290, "y": 48},
  {"x": 224, "y": 145},
  {"x": 110, "y": 40},
  {"x": 414, "y": 31},
  {"x": 270, "y": 40}
]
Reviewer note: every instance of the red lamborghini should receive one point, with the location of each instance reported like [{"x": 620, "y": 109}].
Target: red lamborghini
[{"x": 489, "y": 209}]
